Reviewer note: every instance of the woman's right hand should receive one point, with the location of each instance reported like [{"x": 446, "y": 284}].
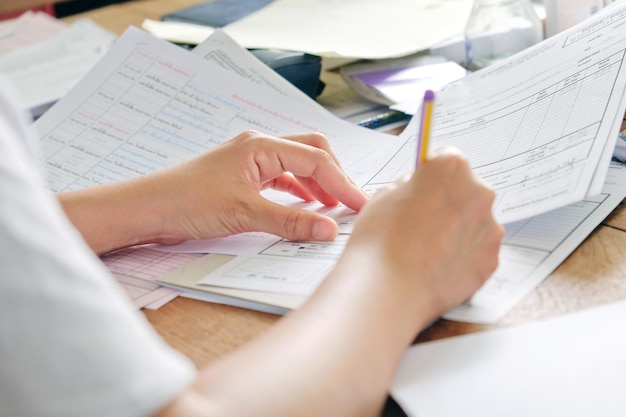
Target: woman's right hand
[{"x": 431, "y": 234}]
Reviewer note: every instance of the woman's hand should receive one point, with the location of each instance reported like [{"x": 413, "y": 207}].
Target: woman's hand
[
  {"x": 217, "y": 194},
  {"x": 430, "y": 236},
  {"x": 419, "y": 248}
]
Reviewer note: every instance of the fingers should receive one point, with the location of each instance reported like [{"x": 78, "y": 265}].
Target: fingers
[
  {"x": 292, "y": 223},
  {"x": 318, "y": 169},
  {"x": 437, "y": 221},
  {"x": 309, "y": 158}
]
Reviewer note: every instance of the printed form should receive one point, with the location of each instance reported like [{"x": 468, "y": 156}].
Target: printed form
[
  {"x": 554, "y": 112},
  {"x": 179, "y": 111},
  {"x": 150, "y": 104},
  {"x": 89, "y": 137}
]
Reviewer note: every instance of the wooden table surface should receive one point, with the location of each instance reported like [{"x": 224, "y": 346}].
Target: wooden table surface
[{"x": 594, "y": 274}]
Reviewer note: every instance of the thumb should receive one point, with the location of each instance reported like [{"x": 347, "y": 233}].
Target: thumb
[{"x": 293, "y": 223}]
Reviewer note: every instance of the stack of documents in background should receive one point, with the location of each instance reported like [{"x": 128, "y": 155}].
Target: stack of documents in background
[
  {"x": 351, "y": 29},
  {"x": 44, "y": 58}
]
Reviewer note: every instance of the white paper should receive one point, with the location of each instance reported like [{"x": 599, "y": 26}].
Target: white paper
[
  {"x": 222, "y": 50},
  {"x": 336, "y": 28},
  {"x": 533, "y": 248},
  {"x": 573, "y": 365},
  {"x": 369, "y": 29},
  {"x": 535, "y": 128},
  {"x": 178, "y": 32},
  {"x": 29, "y": 28},
  {"x": 178, "y": 111},
  {"x": 136, "y": 270},
  {"x": 45, "y": 71}
]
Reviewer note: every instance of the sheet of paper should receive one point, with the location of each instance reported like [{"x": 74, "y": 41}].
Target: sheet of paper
[
  {"x": 537, "y": 137},
  {"x": 45, "y": 71},
  {"x": 222, "y": 50},
  {"x": 136, "y": 270},
  {"x": 29, "y": 28},
  {"x": 178, "y": 32},
  {"x": 352, "y": 28},
  {"x": 573, "y": 365},
  {"x": 178, "y": 112},
  {"x": 536, "y": 127},
  {"x": 531, "y": 250},
  {"x": 547, "y": 119}
]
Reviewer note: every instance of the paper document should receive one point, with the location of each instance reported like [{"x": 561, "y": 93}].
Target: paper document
[
  {"x": 178, "y": 111},
  {"x": 136, "y": 270},
  {"x": 536, "y": 128},
  {"x": 29, "y": 28},
  {"x": 538, "y": 140},
  {"x": 573, "y": 366},
  {"x": 45, "y": 71},
  {"x": 178, "y": 32},
  {"x": 222, "y": 50},
  {"x": 336, "y": 28},
  {"x": 540, "y": 127},
  {"x": 532, "y": 248}
]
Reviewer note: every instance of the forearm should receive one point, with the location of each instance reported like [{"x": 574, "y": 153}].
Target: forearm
[
  {"x": 334, "y": 356},
  {"x": 419, "y": 249},
  {"x": 117, "y": 215}
]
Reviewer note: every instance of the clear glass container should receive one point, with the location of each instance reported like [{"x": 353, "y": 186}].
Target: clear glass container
[{"x": 497, "y": 29}]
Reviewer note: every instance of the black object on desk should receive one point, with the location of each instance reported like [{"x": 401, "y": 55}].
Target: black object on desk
[
  {"x": 300, "y": 69},
  {"x": 218, "y": 13}
]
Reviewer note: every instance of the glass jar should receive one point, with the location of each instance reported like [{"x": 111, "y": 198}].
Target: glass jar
[{"x": 497, "y": 29}]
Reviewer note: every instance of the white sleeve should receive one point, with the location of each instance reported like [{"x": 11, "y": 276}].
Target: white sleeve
[{"x": 71, "y": 344}]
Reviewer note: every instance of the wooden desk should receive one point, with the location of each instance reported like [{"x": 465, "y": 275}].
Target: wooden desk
[{"x": 594, "y": 274}]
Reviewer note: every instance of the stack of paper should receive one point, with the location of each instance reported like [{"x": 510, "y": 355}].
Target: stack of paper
[
  {"x": 336, "y": 28},
  {"x": 45, "y": 64},
  {"x": 540, "y": 128}
]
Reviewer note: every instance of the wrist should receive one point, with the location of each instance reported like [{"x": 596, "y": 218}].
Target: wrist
[{"x": 114, "y": 216}]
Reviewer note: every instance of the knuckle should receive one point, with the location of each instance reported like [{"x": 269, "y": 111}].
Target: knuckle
[
  {"x": 318, "y": 140},
  {"x": 250, "y": 137},
  {"x": 293, "y": 224}
]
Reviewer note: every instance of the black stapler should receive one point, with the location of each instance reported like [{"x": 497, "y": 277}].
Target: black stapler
[{"x": 300, "y": 69}]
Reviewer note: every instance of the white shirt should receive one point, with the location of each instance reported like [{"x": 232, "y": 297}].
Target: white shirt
[{"x": 71, "y": 344}]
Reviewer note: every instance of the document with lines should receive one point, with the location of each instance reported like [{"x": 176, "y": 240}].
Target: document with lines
[
  {"x": 539, "y": 128},
  {"x": 149, "y": 104},
  {"x": 179, "y": 110},
  {"x": 532, "y": 248}
]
